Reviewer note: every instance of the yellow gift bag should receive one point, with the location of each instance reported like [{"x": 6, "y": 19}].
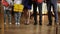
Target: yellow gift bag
[{"x": 18, "y": 8}]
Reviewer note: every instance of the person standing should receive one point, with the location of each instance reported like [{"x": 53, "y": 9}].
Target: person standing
[
  {"x": 52, "y": 3},
  {"x": 39, "y": 4},
  {"x": 18, "y": 5},
  {"x": 34, "y": 11},
  {"x": 27, "y": 8},
  {"x": 7, "y": 9}
]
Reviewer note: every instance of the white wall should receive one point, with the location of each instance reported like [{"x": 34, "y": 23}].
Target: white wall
[{"x": 59, "y": 7}]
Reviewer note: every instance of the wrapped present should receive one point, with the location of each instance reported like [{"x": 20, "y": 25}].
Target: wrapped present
[{"x": 18, "y": 8}]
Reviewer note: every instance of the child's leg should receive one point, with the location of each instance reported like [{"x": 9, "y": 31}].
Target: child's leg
[
  {"x": 19, "y": 16},
  {"x": 5, "y": 16},
  {"x": 16, "y": 16},
  {"x": 9, "y": 16},
  {"x": 28, "y": 17},
  {"x": 25, "y": 15}
]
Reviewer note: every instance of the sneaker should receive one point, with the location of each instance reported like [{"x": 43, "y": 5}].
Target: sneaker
[
  {"x": 16, "y": 23},
  {"x": 56, "y": 23},
  {"x": 10, "y": 23}
]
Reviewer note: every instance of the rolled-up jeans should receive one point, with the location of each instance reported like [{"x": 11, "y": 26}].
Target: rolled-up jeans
[
  {"x": 17, "y": 17},
  {"x": 7, "y": 13}
]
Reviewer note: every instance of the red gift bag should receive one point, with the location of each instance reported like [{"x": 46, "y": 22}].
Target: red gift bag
[{"x": 5, "y": 3}]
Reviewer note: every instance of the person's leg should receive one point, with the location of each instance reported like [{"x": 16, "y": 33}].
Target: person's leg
[
  {"x": 28, "y": 17},
  {"x": 40, "y": 13},
  {"x": 35, "y": 12},
  {"x": 55, "y": 12},
  {"x": 49, "y": 13},
  {"x": 28, "y": 13},
  {"x": 16, "y": 18},
  {"x": 9, "y": 16},
  {"x": 19, "y": 17},
  {"x": 4, "y": 16}
]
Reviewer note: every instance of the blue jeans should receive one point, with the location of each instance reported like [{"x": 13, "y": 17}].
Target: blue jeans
[
  {"x": 17, "y": 17},
  {"x": 54, "y": 6},
  {"x": 7, "y": 13}
]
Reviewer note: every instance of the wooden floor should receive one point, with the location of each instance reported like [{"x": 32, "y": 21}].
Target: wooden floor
[{"x": 30, "y": 29}]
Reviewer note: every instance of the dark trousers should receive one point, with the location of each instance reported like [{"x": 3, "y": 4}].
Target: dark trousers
[
  {"x": 54, "y": 6},
  {"x": 35, "y": 11},
  {"x": 40, "y": 12}
]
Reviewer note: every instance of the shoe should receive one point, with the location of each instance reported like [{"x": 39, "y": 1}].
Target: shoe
[
  {"x": 10, "y": 23},
  {"x": 26, "y": 23},
  {"x": 56, "y": 23},
  {"x": 16, "y": 23},
  {"x": 40, "y": 23},
  {"x": 49, "y": 25},
  {"x": 35, "y": 23}
]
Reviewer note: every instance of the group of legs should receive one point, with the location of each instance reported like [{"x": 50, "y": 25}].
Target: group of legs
[
  {"x": 35, "y": 5},
  {"x": 49, "y": 5}
]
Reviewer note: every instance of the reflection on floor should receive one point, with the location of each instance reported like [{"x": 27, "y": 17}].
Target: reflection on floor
[{"x": 31, "y": 29}]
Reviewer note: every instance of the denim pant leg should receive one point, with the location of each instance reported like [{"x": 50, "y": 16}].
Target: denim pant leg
[
  {"x": 19, "y": 16},
  {"x": 55, "y": 11},
  {"x": 16, "y": 16},
  {"x": 9, "y": 16},
  {"x": 40, "y": 12},
  {"x": 49, "y": 12},
  {"x": 4, "y": 16}
]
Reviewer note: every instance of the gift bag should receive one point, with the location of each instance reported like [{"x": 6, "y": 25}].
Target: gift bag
[
  {"x": 18, "y": 8},
  {"x": 5, "y": 3}
]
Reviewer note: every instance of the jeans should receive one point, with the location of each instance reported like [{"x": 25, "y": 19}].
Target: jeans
[
  {"x": 54, "y": 6},
  {"x": 7, "y": 13},
  {"x": 17, "y": 17}
]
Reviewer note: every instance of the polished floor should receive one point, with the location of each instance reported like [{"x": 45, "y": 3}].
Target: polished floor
[{"x": 30, "y": 29}]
